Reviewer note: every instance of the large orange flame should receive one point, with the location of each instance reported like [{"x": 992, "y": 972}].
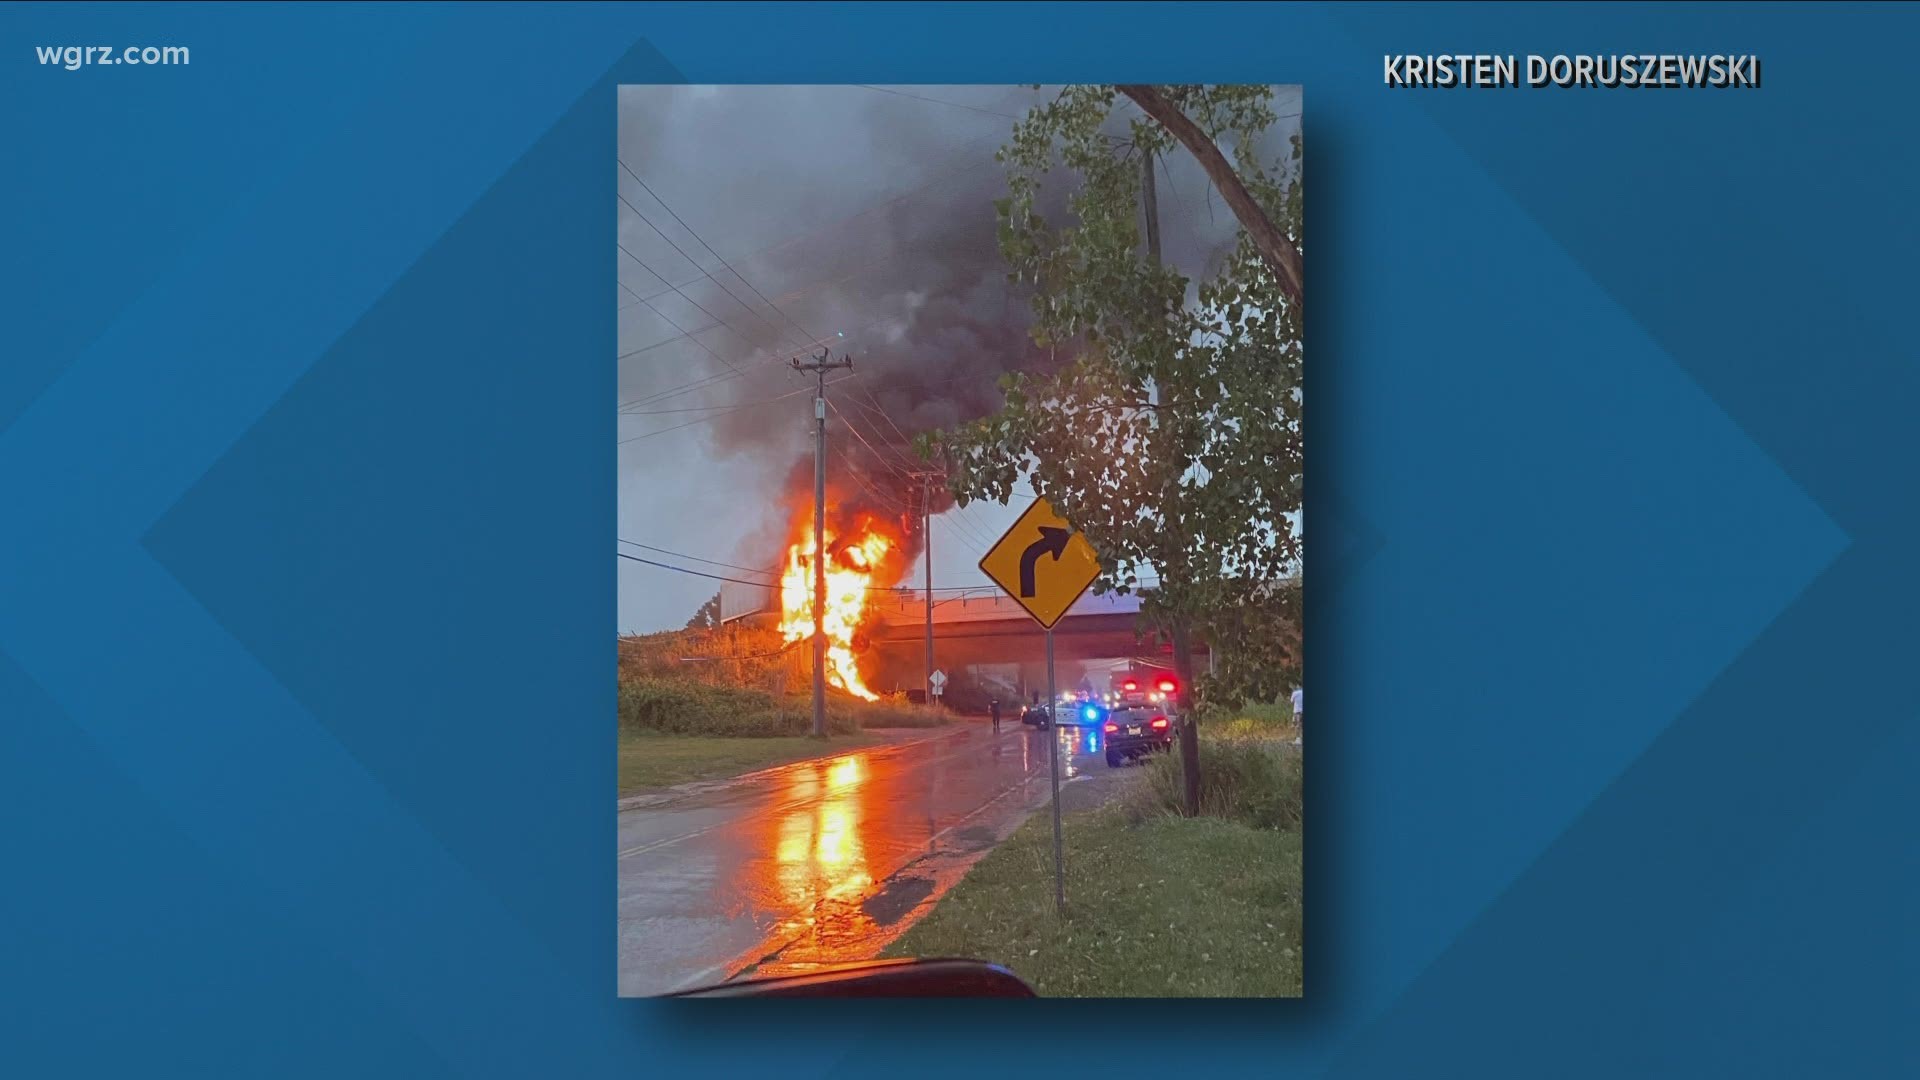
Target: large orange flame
[{"x": 853, "y": 563}]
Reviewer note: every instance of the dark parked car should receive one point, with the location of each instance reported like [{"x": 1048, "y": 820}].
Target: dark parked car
[
  {"x": 1040, "y": 716},
  {"x": 1134, "y": 730}
]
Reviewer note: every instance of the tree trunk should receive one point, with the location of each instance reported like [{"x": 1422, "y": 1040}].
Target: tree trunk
[
  {"x": 1279, "y": 252},
  {"x": 1189, "y": 733}
]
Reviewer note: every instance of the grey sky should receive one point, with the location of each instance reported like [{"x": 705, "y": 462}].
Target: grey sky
[{"x": 759, "y": 220}]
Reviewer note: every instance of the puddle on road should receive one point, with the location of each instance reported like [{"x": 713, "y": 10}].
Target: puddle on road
[
  {"x": 975, "y": 838},
  {"x": 899, "y": 896},
  {"x": 848, "y": 900}
]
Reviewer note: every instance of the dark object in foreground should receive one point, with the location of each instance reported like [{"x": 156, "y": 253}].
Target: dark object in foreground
[
  {"x": 881, "y": 978},
  {"x": 1134, "y": 730},
  {"x": 1040, "y": 716}
]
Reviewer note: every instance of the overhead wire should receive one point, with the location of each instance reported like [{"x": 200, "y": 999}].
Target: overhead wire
[
  {"x": 804, "y": 332},
  {"x": 685, "y": 570},
  {"x": 881, "y": 458},
  {"x": 778, "y": 333},
  {"x": 701, "y": 383},
  {"x": 695, "y": 558},
  {"x": 902, "y": 589},
  {"x": 729, "y": 410},
  {"x": 937, "y": 101},
  {"x": 684, "y": 333}
]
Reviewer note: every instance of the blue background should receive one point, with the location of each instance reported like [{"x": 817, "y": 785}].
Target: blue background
[{"x": 306, "y": 590}]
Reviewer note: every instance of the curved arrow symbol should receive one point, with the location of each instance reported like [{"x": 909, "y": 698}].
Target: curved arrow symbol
[{"x": 1052, "y": 541}]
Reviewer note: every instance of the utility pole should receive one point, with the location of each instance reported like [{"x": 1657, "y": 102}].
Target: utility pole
[
  {"x": 820, "y": 365},
  {"x": 1053, "y": 770},
  {"x": 926, "y": 556}
]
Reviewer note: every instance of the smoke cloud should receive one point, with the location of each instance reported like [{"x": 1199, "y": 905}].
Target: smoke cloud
[{"x": 773, "y": 221}]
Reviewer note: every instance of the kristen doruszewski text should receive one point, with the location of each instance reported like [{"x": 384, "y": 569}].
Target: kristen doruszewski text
[{"x": 1485, "y": 71}]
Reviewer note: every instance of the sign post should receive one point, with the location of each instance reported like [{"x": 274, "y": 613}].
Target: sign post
[
  {"x": 1044, "y": 566},
  {"x": 1053, "y": 766}
]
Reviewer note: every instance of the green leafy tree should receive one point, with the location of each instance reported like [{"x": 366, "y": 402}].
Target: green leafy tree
[{"x": 1171, "y": 434}]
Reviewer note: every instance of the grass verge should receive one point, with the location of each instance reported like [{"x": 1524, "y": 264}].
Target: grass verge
[
  {"x": 650, "y": 760},
  {"x": 673, "y": 731},
  {"x": 673, "y": 707},
  {"x": 1251, "y": 720},
  {"x": 1170, "y": 907}
]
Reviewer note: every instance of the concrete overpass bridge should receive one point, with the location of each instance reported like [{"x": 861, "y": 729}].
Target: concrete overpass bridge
[{"x": 985, "y": 637}]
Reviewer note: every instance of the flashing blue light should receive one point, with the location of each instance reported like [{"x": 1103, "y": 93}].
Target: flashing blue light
[{"x": 1090, "y": 713}]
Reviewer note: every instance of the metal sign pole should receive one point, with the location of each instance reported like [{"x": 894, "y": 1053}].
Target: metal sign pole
[
  {"x": 1053, "y": 733},
  {"x": 1045, "y": 567}
]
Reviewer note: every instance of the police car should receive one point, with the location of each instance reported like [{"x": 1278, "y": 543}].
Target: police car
[{"x": 1141, "y": 722}]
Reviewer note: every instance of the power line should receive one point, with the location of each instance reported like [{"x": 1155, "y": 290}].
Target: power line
[
  {"x": 695, "y": 558},
  {"x": 666, "y": 342},
  {"x": 711, "y": 379},
  {"x": 696, "y": 265},
  {"x": 704, "y": 408},
  {"x": 728, "y": 407},
  {"x": 939, "y": 178},
  {"x": 675, "y": 391},
  {"x": 688, "y": 334},
  {"x": 987, "y": 535},
  {"x": 981, "y": 535},
  {"x": 968, "y": 540},
  {"x": 762, "y": 584},
  {"x": 700, "y": 383},
  {"x": 847, "y": 466},
  {"x": 684, "y": 570},
  {"x": 729, "y": 411},
  {"x": 881, "y": 458},
  {"x": 804, "y": 332},
  {"x": 905, "y": 459},
  {"x": 841, "y": 336},
  {"x": 937, "y": 101}
]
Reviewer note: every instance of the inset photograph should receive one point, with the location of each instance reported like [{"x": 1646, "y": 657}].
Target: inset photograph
[{"x": 960, "y": 538}]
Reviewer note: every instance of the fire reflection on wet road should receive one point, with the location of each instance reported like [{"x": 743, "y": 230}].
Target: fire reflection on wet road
[{"x": 820, "y": 860}]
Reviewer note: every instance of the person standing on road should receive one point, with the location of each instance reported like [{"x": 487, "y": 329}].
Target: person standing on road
[
  {"x": 1299, "y": 715},
  {"x": 994, "y": 707}
]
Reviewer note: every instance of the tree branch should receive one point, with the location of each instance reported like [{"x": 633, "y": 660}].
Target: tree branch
[{"x": 1273, "y": 244}]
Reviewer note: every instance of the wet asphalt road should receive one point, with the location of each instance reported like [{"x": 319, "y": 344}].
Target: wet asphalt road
[{"x": 825, "y": 860}]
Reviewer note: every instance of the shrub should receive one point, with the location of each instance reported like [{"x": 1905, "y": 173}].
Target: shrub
[
  {"x": 685, "y": 708},
  {"x": 893, "y": 711},
  {"x": 679, "y": 707},
  {"x": 1252, "y": 781},
  {"x": 1252, "y": 719}
]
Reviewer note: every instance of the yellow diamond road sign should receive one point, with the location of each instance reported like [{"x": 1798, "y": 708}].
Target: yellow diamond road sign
[{"x": 1042, "y": 563}]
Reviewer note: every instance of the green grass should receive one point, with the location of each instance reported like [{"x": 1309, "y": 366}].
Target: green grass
[
  {"x": 1270, "y": 719},
  {"x": 672, "y": 731},
  {"x": 674, "y": 707},
  {"x": 649, "y": 760},
  {"x": 1168, "y": 907}
]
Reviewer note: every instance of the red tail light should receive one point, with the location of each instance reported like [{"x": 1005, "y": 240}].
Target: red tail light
[
  {"x": 1159, "y": 723},
  {"x": 1167, "y": 686},
  {"x": 1131, "y": 685},
  {"x": 1111, "y": 728}
]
